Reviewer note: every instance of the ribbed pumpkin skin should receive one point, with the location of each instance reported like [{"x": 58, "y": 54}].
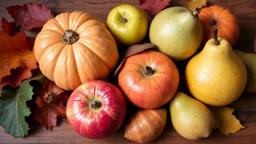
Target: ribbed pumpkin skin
[
  {"x": 92, "y": 56},
  {"x": 226, "y": 23}
]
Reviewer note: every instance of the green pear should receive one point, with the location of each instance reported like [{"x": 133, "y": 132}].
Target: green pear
[
  {"x": 249, "y": 60},
  {"x": 190, "y": 118},
  {"x": 177, "y": 32}
]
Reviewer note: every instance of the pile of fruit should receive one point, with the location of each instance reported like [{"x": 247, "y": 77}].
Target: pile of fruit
[{"x": 127, "y": 71}]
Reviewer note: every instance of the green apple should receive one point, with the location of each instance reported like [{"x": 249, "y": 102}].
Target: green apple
[{"x": 128, "y": 24}]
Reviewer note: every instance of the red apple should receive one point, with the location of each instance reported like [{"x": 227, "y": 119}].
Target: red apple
[
  {"x": 96, "y": 109},
  {"x": 149, "y": 79}
]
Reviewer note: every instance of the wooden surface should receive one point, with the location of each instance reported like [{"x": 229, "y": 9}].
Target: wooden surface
[{"x": 245, "y": 106}]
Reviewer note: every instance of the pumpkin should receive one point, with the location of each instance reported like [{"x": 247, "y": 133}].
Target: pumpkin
[
  {"x": 74, "y": 48},
  {"x": 213, "y": 17}
]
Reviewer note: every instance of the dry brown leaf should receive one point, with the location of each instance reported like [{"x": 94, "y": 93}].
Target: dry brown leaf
[
  {"x": 193, "y": 4},
  {"x": 225, "y": 121},
  {"x": 132, "y": 50}
]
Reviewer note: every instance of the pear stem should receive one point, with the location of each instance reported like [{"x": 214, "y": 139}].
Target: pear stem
[
  {"x": 215, "y": 36},
  {"x": 196, "y": 11}
]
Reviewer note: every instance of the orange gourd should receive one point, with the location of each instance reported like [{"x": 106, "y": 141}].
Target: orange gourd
[
  {"x": 75, "y": 47},
  {"x": 213, "y": 17}
]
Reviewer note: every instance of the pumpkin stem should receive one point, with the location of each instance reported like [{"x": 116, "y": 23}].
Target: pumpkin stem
[
  {"x": 149, "y": 71},
  {"x": 196, "y": 11},
  {"x": 96, "y": 104},
  {"x": 70, "y": 37},
  {"x": 213, "y": 22},
  {"x": 215, "y": 36}
]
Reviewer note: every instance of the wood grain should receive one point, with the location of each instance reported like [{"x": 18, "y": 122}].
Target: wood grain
[{"x": 245, "y": 106}]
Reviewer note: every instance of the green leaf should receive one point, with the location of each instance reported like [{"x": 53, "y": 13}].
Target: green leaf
[{"x": 13, "y": 107}]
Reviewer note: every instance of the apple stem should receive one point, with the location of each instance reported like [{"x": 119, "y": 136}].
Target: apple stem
[
  {"x": 123, "y": 20},
  {"x": 196, "y": 11},
  {"x": 70, "y": 37},
  {"x": 149, "y": 71},
  {"x": 215, "y": 36},
  {"x": 96, "y": 104},
  {"x": 213, "y": 22}
]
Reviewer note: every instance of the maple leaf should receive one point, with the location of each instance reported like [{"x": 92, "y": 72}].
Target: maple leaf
[
  {"x": 50, "y": 100},
  {"x": 153, "y": 7},
  {"x": 9, "y": 28},
  {"x": 30, "y": 15},
  {"x": 17, "y": 59},
  {"x": 13, "y": 107},
  {"x": 225, "y": 121}
]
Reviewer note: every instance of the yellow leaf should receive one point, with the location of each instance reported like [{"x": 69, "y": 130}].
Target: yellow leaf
[
  {"x": 225, "y": 121},
  {"x": 193, "y": 4}
]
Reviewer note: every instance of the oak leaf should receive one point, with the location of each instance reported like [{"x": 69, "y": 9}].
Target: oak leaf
[
  {"x": 50, "y": 104},
  {"x": 225, "y": 121},
  {"x": 30, "y": 15},
  {"x": 17, "y": 59},
  {"x": 153, "y": 7}
]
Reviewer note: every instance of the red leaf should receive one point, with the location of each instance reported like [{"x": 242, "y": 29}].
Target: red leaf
[
  {"x": 50, "y": 104},
  {"x": 9, "y": 28},
  {"x": 17, "y": 59},
  {"x": 31, "y": 15},
  {"x": 153, "y": 7}
]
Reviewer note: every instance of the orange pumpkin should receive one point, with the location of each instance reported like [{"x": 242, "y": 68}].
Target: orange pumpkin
[
  {"x": 75, "y": 47},
  {"x": 218, "y": 17}
]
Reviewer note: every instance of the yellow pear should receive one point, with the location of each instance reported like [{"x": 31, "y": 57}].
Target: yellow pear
[
  {"x": 249, "y": 60},
  {"x": 216, "y": 76},
  {"x": 190, "y": 118}
]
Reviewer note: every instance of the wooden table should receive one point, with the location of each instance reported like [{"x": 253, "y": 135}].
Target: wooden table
[{"x": 245, "y": 106}]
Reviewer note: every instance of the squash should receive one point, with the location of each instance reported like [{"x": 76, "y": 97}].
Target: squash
[
  {"x": 213, "y": 17},
  {"x": 75, "y": 47}
]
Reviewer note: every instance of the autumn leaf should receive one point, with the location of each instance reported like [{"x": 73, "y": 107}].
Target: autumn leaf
[
  {"x": 13, "y": 107},
  {"x": 225, "y": 121},
  {"x": 193, "y": 4},
  {"x": 153, "y": 7},
  {"x": 30, "y": 15},
  {"x": 15, "y": 52},
  {"x": 50, "y": 104},
  {"x": 9, "y": 28}
]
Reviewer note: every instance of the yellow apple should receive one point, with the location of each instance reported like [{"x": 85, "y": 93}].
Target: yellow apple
[{"x": 128, "y": 24}]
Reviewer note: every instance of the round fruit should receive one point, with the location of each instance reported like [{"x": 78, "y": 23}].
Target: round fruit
[
  {"x": 73, "y": 48},
  {"x": 177, "y": 32},
  {"x": 96, "y": 109},
  {"x": 149, "y": 79},
  {"x": 213, "y": 17},
  {"x": 128, "y": 24}
]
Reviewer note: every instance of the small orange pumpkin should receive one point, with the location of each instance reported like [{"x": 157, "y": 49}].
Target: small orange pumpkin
[
  {"x": 213, "y": 17},
  {"x": 75, "y": 47}
]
